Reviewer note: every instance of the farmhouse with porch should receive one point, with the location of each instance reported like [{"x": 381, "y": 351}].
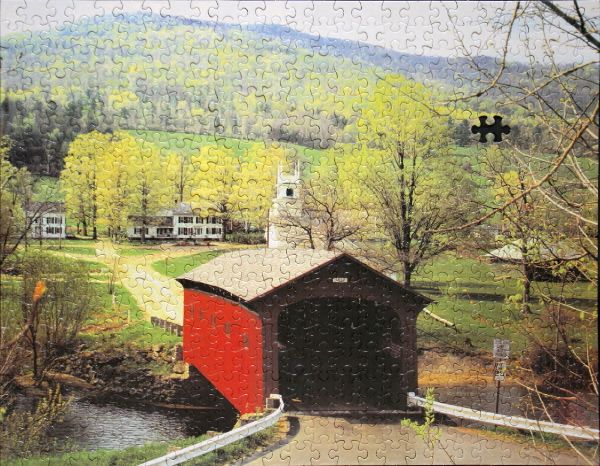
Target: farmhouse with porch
[
  {"x": 181, "y": 222},
  {"x": 321, "y": 328},
  {"x": 48, "y": 220}
]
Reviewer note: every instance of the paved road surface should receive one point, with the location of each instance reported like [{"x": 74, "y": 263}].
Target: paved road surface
[{"x": 338, "y": 441}]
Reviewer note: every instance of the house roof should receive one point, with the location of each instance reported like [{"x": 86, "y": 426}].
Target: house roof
[
  {"x": 158, "y": 221},
  {"x": 512, "y": 253},
  {"x": 183, "y": 208},
  {"x": 46, "y": 207},
  {"x": 252, "y": 273}
]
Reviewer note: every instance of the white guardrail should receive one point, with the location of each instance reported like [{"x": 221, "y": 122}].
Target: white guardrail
[
  {"x": 503, "y": 420},
  {"x": 185, "y": 454}
]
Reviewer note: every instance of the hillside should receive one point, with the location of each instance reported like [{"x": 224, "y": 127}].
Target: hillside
[
  {"x": 169, "y": 74},
  {"x": 149, "y": 72}
]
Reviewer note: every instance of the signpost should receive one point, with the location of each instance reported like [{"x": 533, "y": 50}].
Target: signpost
[{"x": 501, "y": 351}]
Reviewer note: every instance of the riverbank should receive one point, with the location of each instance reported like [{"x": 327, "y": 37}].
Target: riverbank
[
  {"x": 156, "y": 375},
  {"x": 136, "y": 455}
]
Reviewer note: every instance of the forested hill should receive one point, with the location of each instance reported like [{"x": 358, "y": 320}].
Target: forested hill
[{"x": 145, "y": 71}]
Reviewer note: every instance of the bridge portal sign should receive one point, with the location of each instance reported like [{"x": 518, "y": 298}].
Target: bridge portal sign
[{"x": 501, "y": 348}]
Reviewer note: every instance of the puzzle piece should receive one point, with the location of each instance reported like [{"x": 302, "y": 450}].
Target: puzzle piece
[
  {"x": 207, "y": 203},
  {"x": 496, "y": 129}
]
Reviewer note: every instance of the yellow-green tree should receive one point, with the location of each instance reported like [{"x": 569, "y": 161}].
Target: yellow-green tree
[
  {"x": 235, "y": 186},
  {"x": 111, "y": 177},
  {"x": 150, "y": 185},
  {"x": 401, "y": 161},
  {"x": 115, "y": 183},
  {"x": 79, "y": 180},
  {"x": 16, "y": 190}
]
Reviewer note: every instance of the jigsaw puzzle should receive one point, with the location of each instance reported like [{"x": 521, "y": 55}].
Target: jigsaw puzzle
[{"x": 286, "y": 233}]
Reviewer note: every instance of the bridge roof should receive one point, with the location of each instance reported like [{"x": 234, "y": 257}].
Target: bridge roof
[{"x": 249, "y": 274}]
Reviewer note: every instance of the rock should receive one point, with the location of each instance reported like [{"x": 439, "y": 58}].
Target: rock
[
  {"x": 180, "y": 367},
  {"x": 157, "y": 347}
]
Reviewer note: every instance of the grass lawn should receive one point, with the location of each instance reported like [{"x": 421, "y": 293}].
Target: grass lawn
[
  {"x": 475, "y": 296},
  {"x": 119, "y": 322},
  {"x": 46, "y": 189},
  {"x": 66, "y": 242},
  {"x": 180, "y": 265},
  {"x": 73, "y": 249}
]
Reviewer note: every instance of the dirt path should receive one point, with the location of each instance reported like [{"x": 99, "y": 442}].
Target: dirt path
[{"x": 155, "y": 294}]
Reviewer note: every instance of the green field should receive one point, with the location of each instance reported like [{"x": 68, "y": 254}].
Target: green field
[
  {"x": 191, "y": 143},
  {"x": 475, "y": 296},
  {"x": 47, "y": 189}
]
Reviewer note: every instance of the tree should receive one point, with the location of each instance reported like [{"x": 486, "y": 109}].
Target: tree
[
  {"x": 403, "y": 166},
  {"x": 527, "y": 237},
  {"x": 80, "y": 178},
  {"x": 324, "y": 215},
  {"x": 181, "y": 172},
  {"x": 16, "y": 193},
  {"x": 560, "y": 99},
  {"x": 150, "y": 186},
  {"x": 234, "y": 185},
  {"x": 111, "y": 176},
  {"x": 559, "y": 166},
  {"x": 52, "y": 321}
]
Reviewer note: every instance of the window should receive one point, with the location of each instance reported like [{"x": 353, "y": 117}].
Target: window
[
  {"x": 54, "y": 230},
  {"x": 186, "y": 219},
  {"x": 164, "y": 231},
  {"x": 54, "y": 221},
  {"x": 245, "y": 340},
  {"x": 228, "y": 329},
  {"x": 198, "y": 220},
  {"x": 289, "y": 192},
  {"x": 197, "y": 231},
  {"x": 185, "y": 231},
  {"x": 138, "y": 231}
]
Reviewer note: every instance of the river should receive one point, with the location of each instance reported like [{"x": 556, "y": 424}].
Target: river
[{"x": 116, "y": 423}]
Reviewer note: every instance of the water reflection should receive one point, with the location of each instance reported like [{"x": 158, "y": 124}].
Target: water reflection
[{"x": 116, "y": 424}]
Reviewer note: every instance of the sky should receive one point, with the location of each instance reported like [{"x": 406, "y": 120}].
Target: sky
[{"x": 421, "y": 28}]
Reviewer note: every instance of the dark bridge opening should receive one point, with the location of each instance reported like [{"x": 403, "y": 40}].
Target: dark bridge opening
[{"x": 340, "y": 353}]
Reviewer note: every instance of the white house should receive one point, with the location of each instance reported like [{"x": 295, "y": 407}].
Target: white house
[
  {"x": 178, "y": 222},
  {"x": 48, "y": 220}
]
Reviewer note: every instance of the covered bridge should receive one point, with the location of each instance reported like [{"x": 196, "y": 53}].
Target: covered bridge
[{"x": 322, "y": 328}]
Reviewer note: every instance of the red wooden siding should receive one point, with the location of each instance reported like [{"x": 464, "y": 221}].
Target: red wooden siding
[{"x": 223, "y": 340}]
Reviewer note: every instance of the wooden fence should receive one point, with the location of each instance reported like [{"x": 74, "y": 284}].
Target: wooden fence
[{"x": 167, "y": 326}]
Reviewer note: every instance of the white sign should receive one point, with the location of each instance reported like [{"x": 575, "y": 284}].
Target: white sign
[
  {"x": 340, "y": 280},
  {"x": 500, "y": 371},
  {"x": 501, "y": 348}
]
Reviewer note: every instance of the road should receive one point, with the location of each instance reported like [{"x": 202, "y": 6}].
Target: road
[{"x": 315, "y": 440}]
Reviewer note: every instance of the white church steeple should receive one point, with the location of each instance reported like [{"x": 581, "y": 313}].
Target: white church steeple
[{"x": 286, "y": 206}]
